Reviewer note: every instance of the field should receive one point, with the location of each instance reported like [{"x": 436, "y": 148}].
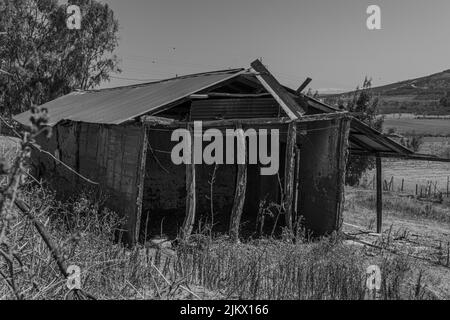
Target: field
[
  {"x": 412, "y": 173},
  {"x": 411, "y": 254},
  {"x": 420, "y": 173},
  {"x": 408, "y": 126},
  {"x": 413, "y": 228},
  {"x": 412, "y": 225}
]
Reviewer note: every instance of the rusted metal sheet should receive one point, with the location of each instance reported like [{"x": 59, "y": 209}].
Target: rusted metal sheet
[
  {"x": 118, "y": 105},
  {"x": 108, "y": 155},
  {"x": 372, "y": 141},
  {"x": 236, "y": 109},
  {"x": 321, "y": 175}
]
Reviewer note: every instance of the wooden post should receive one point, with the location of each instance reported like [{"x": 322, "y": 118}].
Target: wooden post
[
  {"x": 403, "y": 184},
  {"x": 379, "y": 196},
  {"x": 448, "y": 184},
  {"x": 188, "y": 223},
  {"x": 141, "y": 179},
  {"x": 297, "y": 182},
  {"x": 289, "y": 174},
  {"x": 241, "y": 186}
]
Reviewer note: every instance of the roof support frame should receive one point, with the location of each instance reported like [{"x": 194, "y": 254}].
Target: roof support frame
[{"x": 292, "y": 109}]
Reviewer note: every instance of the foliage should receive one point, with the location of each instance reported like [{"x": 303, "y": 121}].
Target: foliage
[
  {"x": 42, "y": 59},
  {"x": 413, "y": 143},
  {"x": 445, "y": 100},
  {"x": 364, "y": 106}
]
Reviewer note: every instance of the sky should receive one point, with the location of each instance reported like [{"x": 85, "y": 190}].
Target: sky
[{"x": 327, "y": 40}]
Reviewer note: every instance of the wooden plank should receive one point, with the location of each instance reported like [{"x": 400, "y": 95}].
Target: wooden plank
[
  {"x": 241, "y": 186},
  {"x": 342, "y": 152},
  {"x": 141, "y": 180},
  {"x": 304, "y": 85},
  {"x": 400, "y": 156},
  {"x": 297, "y": 181},
  {"x": 189, "y": 220},
  {"x": 289, "y": 174},
  {"x": 379, "y": 195},
  {"x": 292, "y": 109},
  {"x": 228, "y": 95},
  {"x": 155, "y": 121}
]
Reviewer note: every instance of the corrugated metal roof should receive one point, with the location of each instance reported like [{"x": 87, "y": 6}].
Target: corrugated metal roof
[
  {"x": 118, "y": 105},
  {"x": 363, "y": 137},
  {"x": 236, "y": 109}
]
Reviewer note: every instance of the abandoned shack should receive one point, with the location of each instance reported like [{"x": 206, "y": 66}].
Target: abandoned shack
[{"x": 120, "y": 138}]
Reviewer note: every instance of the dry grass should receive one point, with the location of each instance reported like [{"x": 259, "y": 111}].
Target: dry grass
[
  {"x": 400, "y": 206},
  {"x": 9, "y": 149},
  {"x": 411, "y": 228},
  {"x": 205, "y": 268}
]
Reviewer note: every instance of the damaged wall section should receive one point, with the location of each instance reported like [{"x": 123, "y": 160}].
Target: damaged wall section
[
  {"x": 106, "y": 154},
  {"x": 322, "y": 173}
]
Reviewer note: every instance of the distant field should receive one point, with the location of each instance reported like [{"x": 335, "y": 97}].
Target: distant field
[
  {"x": 414, "y": 173},
  {"x": 417, "y": 172},
  {"x": 432, "y": 127}
]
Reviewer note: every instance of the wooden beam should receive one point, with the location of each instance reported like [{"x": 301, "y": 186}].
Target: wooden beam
[
  {"x": 292, "y": 109},
  {"x": 241, "y": 186},
  {"x": 228, "y": 95},
  {"x": 140, "y": 181},
  {"x": 157, "y": 121},
  {"x": 379, "y": 196},
  {"x": 189, "y": 220},
  {"x": 417, "y": 157},
  {"x": 153, "y": 121},
  {"x": 304, "y": 85},
  {"x": 342, "y": 152},
  {"x": 289, "y": 174},
  {"x": 297, "y": 181}
]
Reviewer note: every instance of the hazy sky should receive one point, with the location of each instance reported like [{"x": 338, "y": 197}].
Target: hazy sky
[{"x": 326, "y": 40}]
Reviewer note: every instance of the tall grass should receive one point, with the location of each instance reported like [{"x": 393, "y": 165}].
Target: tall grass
[
  {"x": 204, "y": 268},
  {"x": 275, "y": 270},
  {"x": 401, "y": 206}
]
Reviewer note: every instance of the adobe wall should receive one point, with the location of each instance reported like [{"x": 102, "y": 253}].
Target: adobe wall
[{"x": 108, "y": 155}]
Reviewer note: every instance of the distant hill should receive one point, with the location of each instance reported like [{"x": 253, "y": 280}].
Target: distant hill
[{"x": 421, "y": 96}]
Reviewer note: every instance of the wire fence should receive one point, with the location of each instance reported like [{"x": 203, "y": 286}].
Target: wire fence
[{"x": 431, "y": 189}]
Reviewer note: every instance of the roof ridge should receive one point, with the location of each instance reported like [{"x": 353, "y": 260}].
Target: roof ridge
[{"x": 138, "y": 85}]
